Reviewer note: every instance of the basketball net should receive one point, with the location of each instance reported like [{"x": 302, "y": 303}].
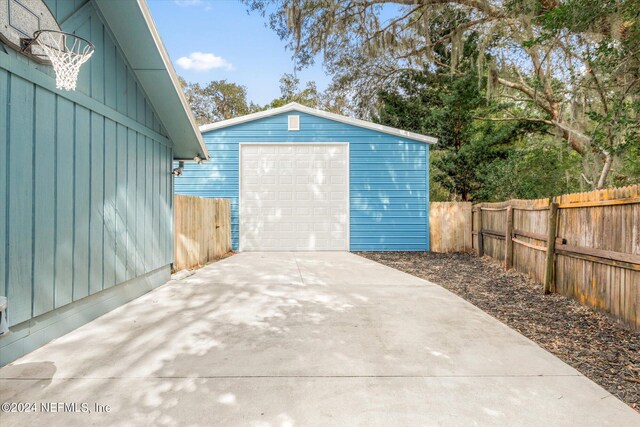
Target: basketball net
[{"x": 67, "y": 53}]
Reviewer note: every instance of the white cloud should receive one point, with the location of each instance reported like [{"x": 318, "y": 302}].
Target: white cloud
[
  {"x": 206, "y": 5},
  {"x": 199, "y": 61},
  {"x": 187, "y": 2}
]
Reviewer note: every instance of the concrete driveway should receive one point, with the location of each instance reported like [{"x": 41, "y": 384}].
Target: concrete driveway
[{"x": 304, "y": 339}]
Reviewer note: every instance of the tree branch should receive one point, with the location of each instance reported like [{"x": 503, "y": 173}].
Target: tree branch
[
  {"x": 480, "y": 5},
  {"x": 530, "y": 92},
  {"x": 587, "y": 180},
  {"x": 514, "y": 119}
]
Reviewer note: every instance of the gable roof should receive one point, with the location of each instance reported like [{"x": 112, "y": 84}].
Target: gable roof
[
  {"x": 132, "y": 26},
  {"x": 294, "y": 106}
]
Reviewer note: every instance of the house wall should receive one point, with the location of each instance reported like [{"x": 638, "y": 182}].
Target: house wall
[
  {"x": 85, "y": 188},
  {"x": 389, "y": 185}
]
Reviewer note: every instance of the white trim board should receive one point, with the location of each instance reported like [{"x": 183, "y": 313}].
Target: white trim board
[
  {"x": 293, "y": 144},
  {"x": 294, "y": 106}
]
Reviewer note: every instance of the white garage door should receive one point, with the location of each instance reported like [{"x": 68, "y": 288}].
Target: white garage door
[{"x": 294, "y": 197}]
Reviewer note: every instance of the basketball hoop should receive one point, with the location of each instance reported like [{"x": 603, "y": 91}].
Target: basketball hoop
[{"x": 67, "y": 52}]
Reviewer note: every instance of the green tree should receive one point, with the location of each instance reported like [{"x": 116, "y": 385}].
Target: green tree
[
  {"x": 443, "y": 106},
  {"x": 309, "y": 96},
  {"x": 571, "y": 65},
  {"x": 290, "y": 92},
  {"x": 218, "y": 100},
  {"x": 531, "y": 171},
  {"x": 436, "y": 102},
  {"x": 478, "y": 160}
]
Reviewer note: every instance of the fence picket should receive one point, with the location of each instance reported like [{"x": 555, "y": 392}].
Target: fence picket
[
  {"x": 449, "y": 226},
  {"x": 594, "y": 249},
  {"x": 202, "y": 230}
]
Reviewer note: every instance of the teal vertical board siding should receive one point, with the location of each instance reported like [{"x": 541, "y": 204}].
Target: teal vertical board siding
[
  {"x": 140, "y": 206},
  {"x": 171, "y": 189},
  {"x": 20, "y": 205},
  {"x": 148, "y": 204},
  {"x": 61, "y": 9},
  {"x": 96, "y": 216},
  {"x": 78, "y": 184},
  {"x": 121, "y": 204},
  {"x": 388, "y": 178},
  {"x": 44, "y": 255},
  {"x": 110, "y": 167},
  {"x": 132, "y": 104},
  {"x": 82, "y": 177},
  {"x": 157, "y": 199},
  {"x": 109, "y": 70},
  {"x": 164, "y": 212},
  {"x": 132, "y": 197},
  {"x": 4, "y": 177},
  {"x": 121, "y": 85},
  {"x": 156, "y": 124},
  {"x": 153, "y": 197},
  {"x": 148, "y": 121},
  {"x": 97, "y": 64},
  {"x": 84, "y": 76},
  {"x": 141, "y": 114},
  {"x": 64, "y": 204}
]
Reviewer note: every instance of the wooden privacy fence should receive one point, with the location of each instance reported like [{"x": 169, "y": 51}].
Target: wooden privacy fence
[
  {"x": 202, "y": 230},
  {"x": 583, "y": 245},
  {"x": 449, "y": 226}
]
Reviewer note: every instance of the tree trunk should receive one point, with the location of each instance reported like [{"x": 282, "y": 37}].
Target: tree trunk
[{"x": 606, "y": 168}]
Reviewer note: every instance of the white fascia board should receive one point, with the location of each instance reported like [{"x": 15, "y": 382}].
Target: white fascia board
[{"x": 319, "y": 113}]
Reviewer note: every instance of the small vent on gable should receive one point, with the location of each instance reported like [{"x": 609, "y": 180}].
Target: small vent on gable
[{"x": 294, "y": 122}]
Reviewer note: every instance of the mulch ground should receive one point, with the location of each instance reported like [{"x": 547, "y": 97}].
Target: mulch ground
[{"x": 591, "y": 342}]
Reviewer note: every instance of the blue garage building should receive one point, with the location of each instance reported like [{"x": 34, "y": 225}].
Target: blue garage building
[{"x": 304, "y": 179}]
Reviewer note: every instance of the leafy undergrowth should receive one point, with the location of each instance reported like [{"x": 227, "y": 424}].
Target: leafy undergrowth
[{"x": 591, "y": 342}]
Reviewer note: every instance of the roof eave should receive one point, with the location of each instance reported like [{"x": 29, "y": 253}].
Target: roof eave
[
  {"x": 150, "y": 63},
  {"x": 293, "y": 106}
]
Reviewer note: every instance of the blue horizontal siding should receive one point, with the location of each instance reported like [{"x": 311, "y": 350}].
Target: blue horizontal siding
[
  {"x": 389, "y": 189},
  {"x": 387, "y": 202}
]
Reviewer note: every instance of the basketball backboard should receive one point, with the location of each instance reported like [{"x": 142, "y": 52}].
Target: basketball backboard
[{"x": 20, "y": 19}]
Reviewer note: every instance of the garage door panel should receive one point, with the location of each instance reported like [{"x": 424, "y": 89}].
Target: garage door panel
[
  {"x": 279, "y": 191},
  {"x": 268, "y": 198},
  {"x": 291, "y": 221},
  {"x": 321, "y": 212},
  {"x": 285, "y": 149},
  {"x": 264, "y": 196},
  {"x": 286, "y": 179},
  {"x": 251, "y": 171},
  {"x": 266, "y": 149},
  {"x": 303, "y": 196},
  {"x": 339, "y": 227},
  {"x": 294, "y": 197},
  {"x": 267, "y": 180}
]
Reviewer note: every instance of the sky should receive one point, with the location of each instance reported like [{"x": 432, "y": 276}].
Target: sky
[{"x": 216, "y": 39}]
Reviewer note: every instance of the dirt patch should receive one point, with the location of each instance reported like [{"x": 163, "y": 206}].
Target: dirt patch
[{"x": 591, "y": 342}]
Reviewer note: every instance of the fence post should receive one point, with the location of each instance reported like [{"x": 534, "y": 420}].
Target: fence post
[
  {"x": 508, "y": 250},
  {"x": 550, "y": 273},
  {"x": 480, "y": 238}
]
